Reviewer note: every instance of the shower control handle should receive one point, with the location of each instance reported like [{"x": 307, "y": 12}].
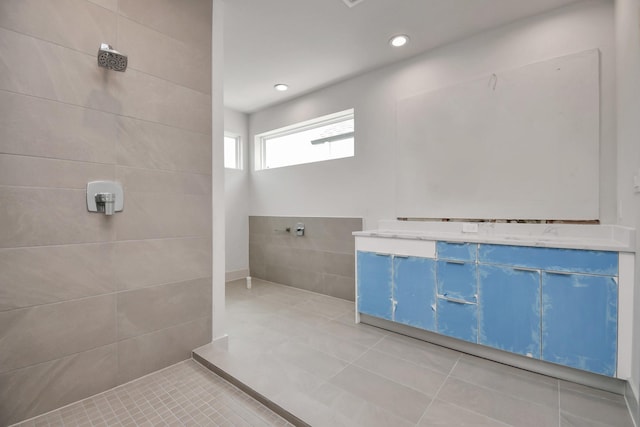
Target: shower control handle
[
  {"x": 106, "y": 203},
  {"x": 105, "y": 197}
]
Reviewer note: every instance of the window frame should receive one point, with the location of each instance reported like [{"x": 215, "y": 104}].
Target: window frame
[
  {"x": 238, "y": 150},
  {"x": 261, "y": 139}
]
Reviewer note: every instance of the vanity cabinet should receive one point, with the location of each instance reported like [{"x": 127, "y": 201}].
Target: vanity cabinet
[{"x": 554, "y": 304}]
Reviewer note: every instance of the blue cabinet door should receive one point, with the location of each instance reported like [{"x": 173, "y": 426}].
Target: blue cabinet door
[
  {"x": 551, "y": 259},
  {"x": 458, "y": 319},
  {"x": 509, "y": 309},
  {"x": 414, "y": 292},
  {"x": 457, "y": 280},
  {"x": 579, "y": 321},
  {"x": 457, "y": 251},
  {"x": 374, "y": 285}
]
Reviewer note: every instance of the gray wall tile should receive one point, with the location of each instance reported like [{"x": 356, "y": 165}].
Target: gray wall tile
[
  {"x": 77, "y": 24},
  {"x": 340, "y": 286},
  {"x": 153, "y": 262},
  {"x": 65, "y": 121},
  {"x": 158, "y": 215},
  {"x": 46, "y": 274},
  {"x": 148, "y": 145},
  {"x": 174, "y": 60},
  {"x": 322, "y": 261},
  {"x": 145, "y": 180},
  {"x": 46, "y": 332},
  {"x": 150, "y": 98},
  {"x": 47, "y": 70},
  {"x": 53, "y": 72},
  {"x": 35, "y": 216},
  {"x": 147, "y": 353},
  {"x": 190, "y": 24},
  {"x": 149, "y": 309},
  {"x": 339, "y": 264},
  {"x": 39, "y": 127},
  {"x": 27, "y": 392},
  {"x": 107, "y": 4},
  {"x": 40, "y": 172}
]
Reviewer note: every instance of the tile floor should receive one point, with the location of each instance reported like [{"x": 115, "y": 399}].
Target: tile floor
[
  {"x": 303, "y": 352},
  {"x": 185, "y": 394}
]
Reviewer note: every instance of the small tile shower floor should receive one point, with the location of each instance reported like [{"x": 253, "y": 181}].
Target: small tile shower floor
[
  {"x": 185, "y": 394},
  {"x": 303, "y": 352}
]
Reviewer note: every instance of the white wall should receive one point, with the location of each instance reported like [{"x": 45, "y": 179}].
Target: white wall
[
  {"x": 363, "y": 186},
  {"x": 236, "y": 187},
  {"x": 628, "y": 131}
]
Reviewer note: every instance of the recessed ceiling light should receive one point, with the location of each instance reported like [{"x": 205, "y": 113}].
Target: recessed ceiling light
[
  {"x": 281, "y": 87},
  {"x": 399, "y": 40}
]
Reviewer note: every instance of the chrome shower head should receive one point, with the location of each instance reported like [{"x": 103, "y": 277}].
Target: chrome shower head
[{"x": 111, "y": 58}]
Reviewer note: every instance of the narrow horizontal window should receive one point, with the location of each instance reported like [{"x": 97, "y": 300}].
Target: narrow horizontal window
[
  {"x": 232, "y": 152},
  {"x": 324, "y": 138}
]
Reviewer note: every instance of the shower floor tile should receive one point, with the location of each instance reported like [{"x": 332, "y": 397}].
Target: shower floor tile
[
  {"x": 184, "y": 394},
  {"x": 302, "y": 354}
]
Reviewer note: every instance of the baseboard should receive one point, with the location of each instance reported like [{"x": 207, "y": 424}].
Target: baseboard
[
  {"x": 631, "y": 396},
  {"x": 230, "y": 276}
]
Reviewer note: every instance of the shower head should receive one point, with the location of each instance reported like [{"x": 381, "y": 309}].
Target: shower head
[{"x": 111, "y": 58}]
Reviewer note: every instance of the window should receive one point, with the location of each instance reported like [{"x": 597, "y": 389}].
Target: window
[
  {"x": 325, "y": 138},
  {"x": 232, "y": 152}
]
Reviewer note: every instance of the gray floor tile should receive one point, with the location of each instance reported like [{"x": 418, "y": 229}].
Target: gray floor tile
[
  {"x": 417, "y": 377},
  {"x": 418, "y": 352},
  {"x": 499, "y": 406},
  {"x": 398, "y": 399},
  {"x": 514, "y": 382},
  {"x": 304, "y": 357},
  {"x": 184, "y": 394},
  {"x": 591, "y": 407},
  {"x": 441, "y": 413},
  {"x": 570, "y": 420},
  {"x": 356, "y": 409}
]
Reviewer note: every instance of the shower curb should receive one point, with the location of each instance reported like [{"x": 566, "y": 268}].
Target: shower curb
[{"x": 251, "y": 392}]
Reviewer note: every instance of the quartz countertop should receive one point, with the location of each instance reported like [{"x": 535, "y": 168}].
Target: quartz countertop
[{"x": 572, "y": 236}]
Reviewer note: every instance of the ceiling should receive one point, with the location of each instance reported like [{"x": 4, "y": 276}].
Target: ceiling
[{"x": 309, "y": 44}]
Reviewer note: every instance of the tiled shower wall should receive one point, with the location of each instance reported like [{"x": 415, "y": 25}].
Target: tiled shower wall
[
  {"x": 88, "y": 302},
  {"x": 321, "y": 261}
]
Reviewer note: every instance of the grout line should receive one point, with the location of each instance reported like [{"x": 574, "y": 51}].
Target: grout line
[
  {"x": 114, "y": 292},
  {"x": 559, "y": 407},
  {"x": 439, "y": 389},
  {"x": 162, "y": 124}
]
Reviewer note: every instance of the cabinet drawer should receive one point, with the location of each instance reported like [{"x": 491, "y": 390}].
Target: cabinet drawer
[
  {"x": 458, "y": 320},
  {"x": 551, "y": 259},
  {"x": 457, "y": 279},
  {"x": 457, "y": 251}
]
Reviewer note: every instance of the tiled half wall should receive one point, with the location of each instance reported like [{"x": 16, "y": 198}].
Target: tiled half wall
[
  {"x": 89, "y": 302},
  {"x": 320, "y": 261}
]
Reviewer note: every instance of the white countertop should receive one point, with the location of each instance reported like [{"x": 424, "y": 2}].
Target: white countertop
[{"x": 596, "y": 237}]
